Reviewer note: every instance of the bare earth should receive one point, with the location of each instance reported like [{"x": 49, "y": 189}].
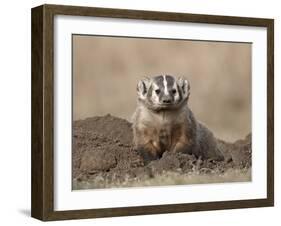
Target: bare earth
[{"x": 103, "y": 157}]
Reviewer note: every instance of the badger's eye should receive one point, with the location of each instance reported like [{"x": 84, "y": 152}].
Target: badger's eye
[
  {"x": 174, "y": 91},
  {"x": 157, "y": 91}
]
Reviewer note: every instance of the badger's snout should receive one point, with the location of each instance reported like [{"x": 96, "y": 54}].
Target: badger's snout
[{"x": 166, "y": 100}]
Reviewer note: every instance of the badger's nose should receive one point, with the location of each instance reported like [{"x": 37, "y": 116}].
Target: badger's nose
[{"x": 167, "y": 101}]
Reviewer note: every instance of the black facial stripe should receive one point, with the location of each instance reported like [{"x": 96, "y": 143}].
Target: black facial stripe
[
  {"x": 158, "y": 80},
  {"x": 144, "y": 88},
  {"x": 180, "y": 93}
]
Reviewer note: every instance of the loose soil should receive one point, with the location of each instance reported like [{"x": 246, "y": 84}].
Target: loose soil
[{"x": 103, "y": 157}]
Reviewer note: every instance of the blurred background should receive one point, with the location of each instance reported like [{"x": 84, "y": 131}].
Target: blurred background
[{"x": 107, "y": 69}]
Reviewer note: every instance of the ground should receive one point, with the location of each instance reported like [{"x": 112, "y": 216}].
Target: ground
[{"x": 103, "y": 157}]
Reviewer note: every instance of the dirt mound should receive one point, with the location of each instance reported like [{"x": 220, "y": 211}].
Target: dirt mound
[{"x": 103, "y": 157}]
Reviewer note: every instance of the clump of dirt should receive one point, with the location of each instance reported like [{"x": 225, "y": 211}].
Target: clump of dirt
[{"x": 103, "y": 156}]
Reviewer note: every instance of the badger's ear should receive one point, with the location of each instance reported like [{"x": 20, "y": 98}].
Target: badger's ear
[
  {"x": 142, "y": 87},
  {"x": 184, "y": 87}
]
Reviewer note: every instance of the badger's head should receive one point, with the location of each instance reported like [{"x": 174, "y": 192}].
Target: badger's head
[{"x": 163, "y": 92}]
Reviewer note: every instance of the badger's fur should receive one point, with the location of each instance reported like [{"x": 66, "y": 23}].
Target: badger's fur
[{"x": 163, "y": 121}]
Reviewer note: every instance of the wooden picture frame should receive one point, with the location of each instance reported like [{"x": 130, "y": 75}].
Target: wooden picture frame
[{"x": 42, "y": 203}]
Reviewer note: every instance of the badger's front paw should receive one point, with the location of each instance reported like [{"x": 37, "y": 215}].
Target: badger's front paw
[
  {"x": 182, "y": 147},
  {"x": 148, "y": 154}
]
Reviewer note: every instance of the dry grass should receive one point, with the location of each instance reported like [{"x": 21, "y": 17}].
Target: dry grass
[{"x": 169, "y": 178}]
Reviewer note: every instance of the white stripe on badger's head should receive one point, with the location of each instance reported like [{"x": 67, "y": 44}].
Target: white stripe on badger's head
[{"x": 165, "y": 84}]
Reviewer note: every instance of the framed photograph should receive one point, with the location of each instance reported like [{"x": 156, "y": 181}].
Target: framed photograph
[{"x": 142, "y": 112}]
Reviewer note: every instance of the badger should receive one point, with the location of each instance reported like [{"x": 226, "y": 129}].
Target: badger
[{"x": 163, "y": 121}]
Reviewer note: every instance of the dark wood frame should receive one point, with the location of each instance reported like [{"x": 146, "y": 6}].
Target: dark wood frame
[{"x": 42, "y": 202}]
